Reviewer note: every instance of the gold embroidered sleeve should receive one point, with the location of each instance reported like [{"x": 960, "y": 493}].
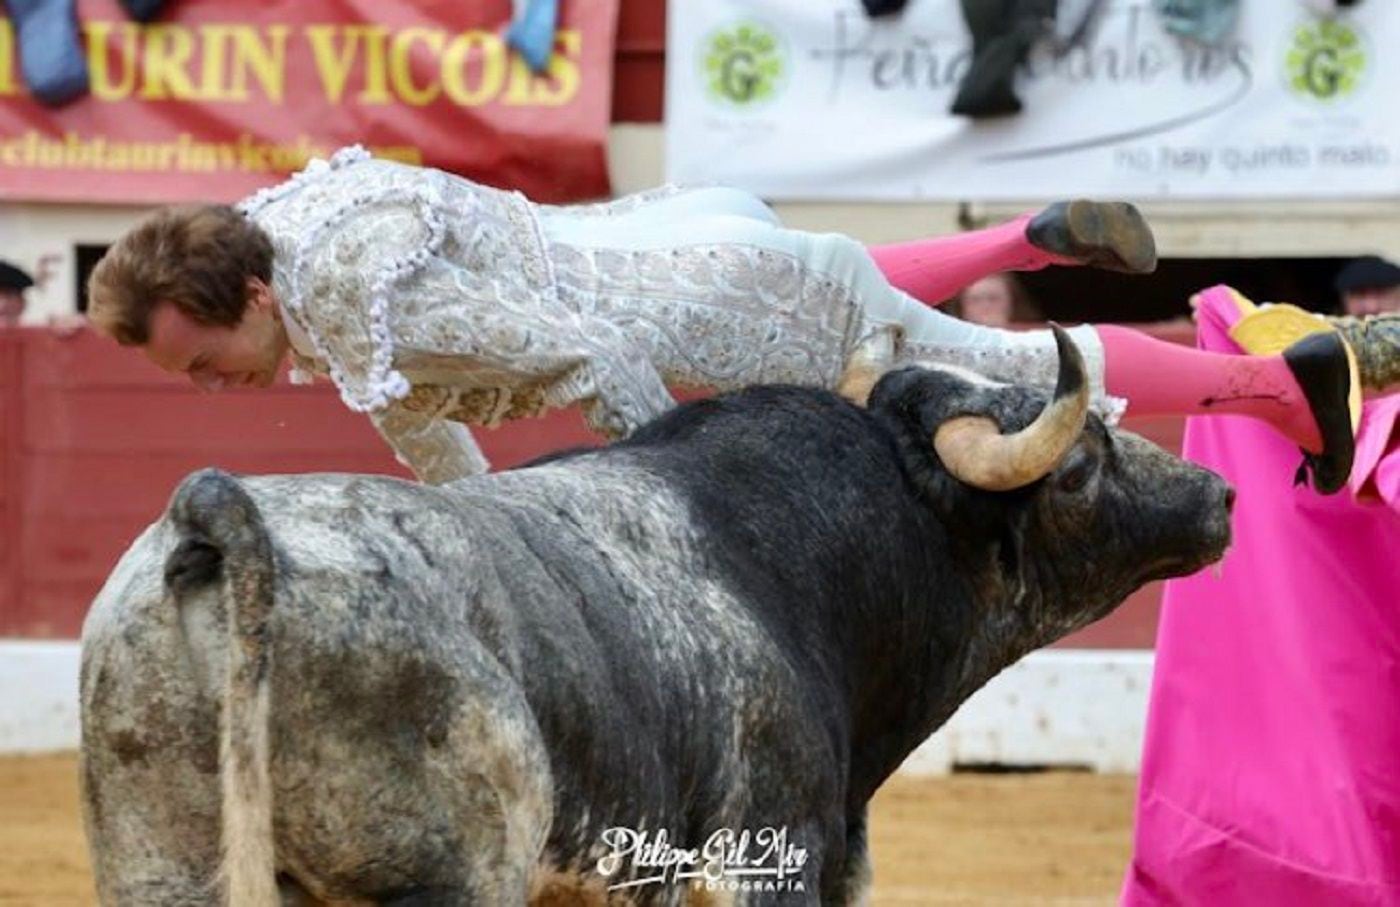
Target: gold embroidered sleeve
[{"x": 437, "y": 450}]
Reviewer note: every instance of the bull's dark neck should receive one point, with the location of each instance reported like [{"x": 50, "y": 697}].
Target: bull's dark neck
[
  {"x": 813, "y": 516},
  {"x": 963, "y": 634}
]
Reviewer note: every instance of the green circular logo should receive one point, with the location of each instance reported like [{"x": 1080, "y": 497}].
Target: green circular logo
[
  {"x": 1326, "y": 60},
  {"x": 743, "y": 65}
]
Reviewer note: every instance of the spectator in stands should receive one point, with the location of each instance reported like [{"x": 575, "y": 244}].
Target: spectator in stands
[
  {"x": 1369, "y": 285},
  {"x": 13, "y": 283},
  {"x": 998, "y": 300}
]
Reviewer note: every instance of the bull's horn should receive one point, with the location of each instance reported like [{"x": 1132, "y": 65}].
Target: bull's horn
[{"x": 976, "y": 452}]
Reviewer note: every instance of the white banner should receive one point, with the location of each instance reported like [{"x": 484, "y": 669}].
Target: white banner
[{"x": 810, "y": 99}]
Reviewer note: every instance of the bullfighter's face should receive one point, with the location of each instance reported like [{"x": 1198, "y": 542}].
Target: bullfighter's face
[{"x": 216, "y": 357}]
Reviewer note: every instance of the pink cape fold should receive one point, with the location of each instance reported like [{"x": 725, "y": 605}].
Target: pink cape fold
[{"x": 1271, "y": 766}]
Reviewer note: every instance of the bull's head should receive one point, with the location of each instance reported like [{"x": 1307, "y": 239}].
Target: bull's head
[{"x": 1055, "y": 514}]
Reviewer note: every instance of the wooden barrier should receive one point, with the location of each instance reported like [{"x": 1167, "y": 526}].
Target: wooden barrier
[{"x": 93, "y": 440}]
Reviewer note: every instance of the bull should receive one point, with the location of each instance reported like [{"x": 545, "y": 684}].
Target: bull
[{"x": 615, "y": 676}]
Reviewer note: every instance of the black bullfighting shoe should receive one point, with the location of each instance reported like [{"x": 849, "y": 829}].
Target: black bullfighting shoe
[
  {"x": 1109, "y": 235},
  {"x": 1325, "y": 369},
  {"x": 1312, "y": 346}
]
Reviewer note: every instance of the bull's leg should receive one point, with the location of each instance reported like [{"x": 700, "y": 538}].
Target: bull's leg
[
  {"x": 818, "y": 879},
  {"x": 145, "y": 849},
  {"x": 855, "y": 881},
  {"x": 149, "y": 769},
  {"x": 411, "y": 770}
]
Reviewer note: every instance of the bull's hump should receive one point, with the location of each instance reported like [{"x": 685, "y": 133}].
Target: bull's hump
[
  {"x": 598, "y": 496},
  {"x": 644, "y": 528}
]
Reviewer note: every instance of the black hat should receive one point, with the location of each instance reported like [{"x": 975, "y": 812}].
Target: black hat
[
  {"x": 1369, "y": 272},
  {"x": 12, "y": 278}
]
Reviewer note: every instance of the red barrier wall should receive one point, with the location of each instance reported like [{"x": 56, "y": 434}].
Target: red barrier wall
[{"x": 93, "y": 440}]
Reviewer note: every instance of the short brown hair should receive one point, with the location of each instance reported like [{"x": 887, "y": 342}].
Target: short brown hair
[{"x": 198, "y": 258}]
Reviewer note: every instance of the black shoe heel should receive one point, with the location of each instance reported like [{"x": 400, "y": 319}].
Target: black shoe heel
[
  {"x": 1109, "y": 235},
  {"x": 1319, "y": 363}
]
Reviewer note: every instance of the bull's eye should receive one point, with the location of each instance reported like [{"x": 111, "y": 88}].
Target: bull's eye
[{"x": 1076, "y": 471}]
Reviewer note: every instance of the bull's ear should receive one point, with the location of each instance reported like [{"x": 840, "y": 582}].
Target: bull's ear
[
  {"x": 984, "y": 528},
  {"x": 968, "y": 513},
  {"x": 922, "y": 398},
  {"x": 916, "y": 400}
]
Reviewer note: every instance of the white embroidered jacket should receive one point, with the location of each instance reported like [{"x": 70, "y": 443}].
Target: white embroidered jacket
[
  {"x": 430, "y": 303},
  {"x": 434, "y": 303}
]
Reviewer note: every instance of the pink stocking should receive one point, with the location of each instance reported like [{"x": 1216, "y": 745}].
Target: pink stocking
[
  {"x": 1161, "y": 378},
  {"x": 934, "y": 270}
]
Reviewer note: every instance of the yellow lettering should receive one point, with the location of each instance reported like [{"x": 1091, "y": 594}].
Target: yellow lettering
[
  {"x": 556, "y": 87},
  {"x": 335, "y": 50},
  {"x": 202, "y": 157},
  {"x": 268, "y": 64},
  {"x": 168, "y": 51},
  {"x": 103, "y": 86},
  {"x": 333, "y": 62},
  {"x": 376, "y": 89},
  {"x": 51, "y": 155},
  {"x": 7, "y": 57},
  {"x": 564, "y": 69},
  {"x": 214, "y": 39},
  {"x": 459, "y": 57},
  {"x": 401, "y": 64}
]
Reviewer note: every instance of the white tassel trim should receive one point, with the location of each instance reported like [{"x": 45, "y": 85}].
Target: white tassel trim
[{"x": 383, "y": 384}]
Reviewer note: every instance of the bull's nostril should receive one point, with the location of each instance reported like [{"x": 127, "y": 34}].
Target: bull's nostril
[{"x": 1230, "y": 500}]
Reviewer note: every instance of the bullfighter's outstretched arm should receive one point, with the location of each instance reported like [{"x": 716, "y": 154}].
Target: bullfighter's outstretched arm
[
  {"x": 419, "y": 323},
  {"x": 437, "y": 450}
]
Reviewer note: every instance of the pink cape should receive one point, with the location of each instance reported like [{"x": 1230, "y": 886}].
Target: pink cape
[{"x": 1271, "y": 770}]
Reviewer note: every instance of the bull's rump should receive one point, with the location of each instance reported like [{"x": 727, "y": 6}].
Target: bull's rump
[{"x": 448, "y": 665}]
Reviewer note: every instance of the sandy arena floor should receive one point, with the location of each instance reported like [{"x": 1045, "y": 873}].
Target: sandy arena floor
[{"x": 1043, "y": 839}]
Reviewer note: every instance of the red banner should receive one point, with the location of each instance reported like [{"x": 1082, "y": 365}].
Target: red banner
[{"x": 214, "y": 100}]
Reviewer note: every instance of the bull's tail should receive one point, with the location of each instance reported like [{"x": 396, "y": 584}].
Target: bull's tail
[{"x": 223, "y": 535}]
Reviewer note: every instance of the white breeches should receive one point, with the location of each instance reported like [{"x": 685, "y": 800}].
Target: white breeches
[{"x": 678, "y": 219}]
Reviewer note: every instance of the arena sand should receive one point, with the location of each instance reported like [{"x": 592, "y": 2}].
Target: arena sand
[{"x": 1037, "y": 839}]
